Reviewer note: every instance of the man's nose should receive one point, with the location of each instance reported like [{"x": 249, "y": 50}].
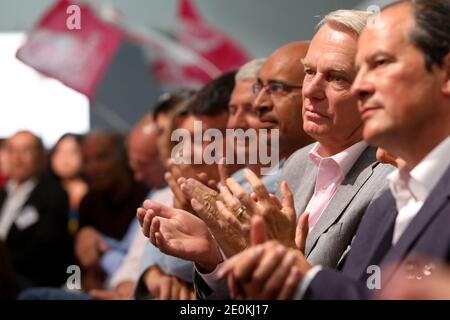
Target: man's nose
[
  {"x": 362, "y": 87},
  {"x": 314, "y": 88}
]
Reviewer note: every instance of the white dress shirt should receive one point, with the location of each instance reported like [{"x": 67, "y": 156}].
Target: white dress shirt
[
  {"x": 17, "y": 195},
  {"x": 411, "y": 188}
]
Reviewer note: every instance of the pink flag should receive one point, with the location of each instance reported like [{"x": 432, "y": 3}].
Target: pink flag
[
  {"x": 77, "y": 57},
  {"x": 216, "y": 50}
]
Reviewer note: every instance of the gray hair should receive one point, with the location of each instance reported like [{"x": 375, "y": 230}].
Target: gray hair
[
  {"x": 250, "y": 70},
  {"x": 355, "y": 20}
]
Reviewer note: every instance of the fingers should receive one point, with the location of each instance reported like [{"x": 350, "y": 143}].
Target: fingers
[
  {"x": 276, "y": 280},
  {"x": 257, "y": 186},
  {"x": 146, "y": 204},
  {"x": 140, "y": 214},
  {"x": 227, "y": 214},
  {"x": 275, "y": 201},
  {"x": 172, "y": 182},
  {"x": 229, "y": 200},
  {"x": 161, "y": 243},
  {"x": 184, "y": 293},
  {"x": 301, "y": 233},
  {"x": 270, "y": 261},
  {"x": 223, "y": 172},
  {"x": 212, "y": 184},
  {"x": 243, "y": 264},
  {"x": 203, "y": 177},
  {"x": 243, "y": 197},
  {"x": 175, "y": 289},
  {"x": 201, "y": 211},
  {"x": 160, "y": 210},
  {"x": 150, "y": 214},
  {"x": 290, "y": 285},
  {"x": 201, "y": 192},
  {"x": 258, "y": 233},
  {"x": 154, "y": 228},
  {"x": 174, "y": 169},
  {"x": 186, "y": 187},
  {"x": 165, "y": 288},
  {"x": 288, "y": 198},
  {"x": 234, "y": 288}
]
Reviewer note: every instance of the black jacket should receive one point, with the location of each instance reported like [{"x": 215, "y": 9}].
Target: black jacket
[{"x": 40, "y": 252}]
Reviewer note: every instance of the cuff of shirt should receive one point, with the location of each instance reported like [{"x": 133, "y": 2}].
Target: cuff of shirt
[
  {"x": 307, "y": 279},
  {"x": 212, "y": 279}
]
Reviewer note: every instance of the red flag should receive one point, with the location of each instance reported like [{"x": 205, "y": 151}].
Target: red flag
[
  {"x": 78, "y": 57},
  {"x": 216, "y": 50},
  {"x": 207, "y": 40}
]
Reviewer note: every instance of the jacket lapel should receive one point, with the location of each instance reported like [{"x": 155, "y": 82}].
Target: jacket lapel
[
  {"x": 354, "y": 180},
  {"x": 305, "y": 188},
  {"x": 382, "y": 241}
]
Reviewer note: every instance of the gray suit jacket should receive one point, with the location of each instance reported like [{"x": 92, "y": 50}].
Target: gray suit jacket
[
  {"x": 330, "y": 239},
  {"x": 334, "y": 231}
]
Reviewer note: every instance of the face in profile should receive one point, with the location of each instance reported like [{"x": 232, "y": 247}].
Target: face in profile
[
  {"x": 143, "y": 156},
  {"x": 241, "y": 114},
  {"x": 398, "y": 96},
  {"x": 163, "y": 126},
  {"x": 198, "y": 150},
  {"x": 103, "y": 166},
  {"x": 25, "y": 156},
  {"x": 330, "y": 111},
  {"x": 278, "y": 96},
  {"x": 67, "y": 159}
]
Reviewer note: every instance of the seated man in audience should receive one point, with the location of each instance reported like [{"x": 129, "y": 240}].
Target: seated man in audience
[
  {"x": 278, "y": 107},
  {"x": 127, "y": 252},
  {"x": 409, "y": 50},
  {"x": 33, "y": 224},
  {"x": 108, "y": 207},
  {"x": 160, "y": 272}
]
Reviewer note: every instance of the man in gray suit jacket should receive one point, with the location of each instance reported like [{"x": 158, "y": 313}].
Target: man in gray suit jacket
[
  {"x": 332, "y": 234},
  {"x": 404, "y": 234},
  {"x": 335, "y": 179}
]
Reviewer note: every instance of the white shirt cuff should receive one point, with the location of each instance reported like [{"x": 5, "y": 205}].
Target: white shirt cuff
[
  {"x": 212, "y": 279},
  {"x": 307, "y": 279}
]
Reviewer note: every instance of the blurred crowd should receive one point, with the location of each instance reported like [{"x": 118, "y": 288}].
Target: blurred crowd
[{"x": 356, "y": 207}]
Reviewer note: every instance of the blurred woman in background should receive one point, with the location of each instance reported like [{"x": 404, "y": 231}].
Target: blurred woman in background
[{"x": 66, "y": 163}]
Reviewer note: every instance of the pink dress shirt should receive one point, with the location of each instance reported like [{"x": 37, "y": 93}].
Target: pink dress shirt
[{"x": 331, "y": 172}]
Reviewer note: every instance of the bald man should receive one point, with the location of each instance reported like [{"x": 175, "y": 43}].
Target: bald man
[
  {"x": 33, "y": 224},
  {"x": 143, "y": 153}
]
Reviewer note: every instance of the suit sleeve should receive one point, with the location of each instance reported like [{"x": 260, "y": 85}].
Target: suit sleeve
[{"x": 329, "y": 284}]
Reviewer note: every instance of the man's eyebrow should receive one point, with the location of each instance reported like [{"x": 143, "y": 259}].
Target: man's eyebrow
[{"x": 340, "y": 69}]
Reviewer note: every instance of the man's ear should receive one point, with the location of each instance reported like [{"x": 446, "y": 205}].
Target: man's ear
[{"x": 446, "y": 84}]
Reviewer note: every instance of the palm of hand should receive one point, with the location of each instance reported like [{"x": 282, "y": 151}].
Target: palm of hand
[{"x": 186, "y": 235}]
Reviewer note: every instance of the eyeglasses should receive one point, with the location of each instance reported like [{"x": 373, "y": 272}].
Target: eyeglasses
[{"x": 276, "y": 89}]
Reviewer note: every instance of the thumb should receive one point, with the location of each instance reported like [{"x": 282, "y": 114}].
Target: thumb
[
  {"x": 301, "y": 233},
  {"x": 258, "y": 232}
]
